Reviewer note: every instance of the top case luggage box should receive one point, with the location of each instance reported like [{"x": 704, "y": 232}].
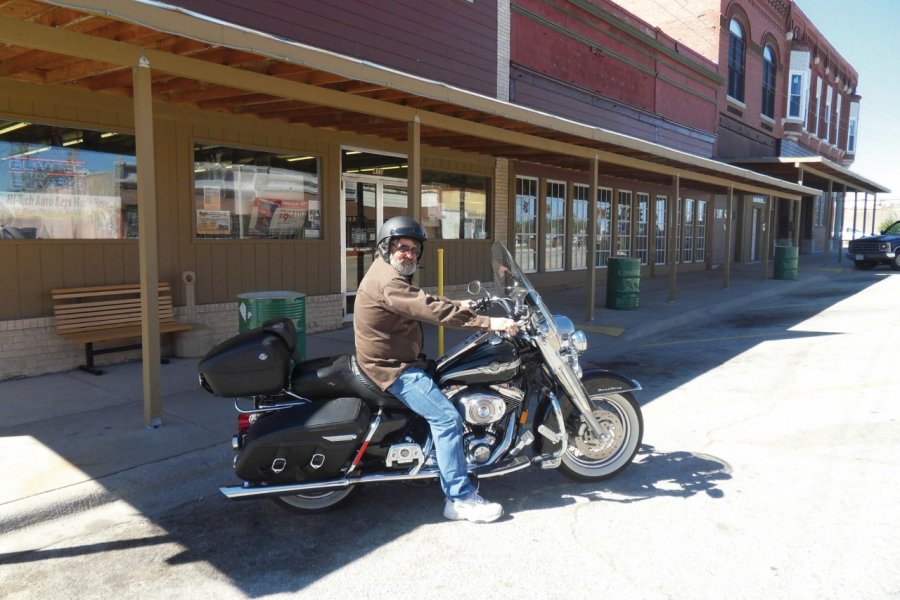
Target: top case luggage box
[{"x": 253, "y": 363}]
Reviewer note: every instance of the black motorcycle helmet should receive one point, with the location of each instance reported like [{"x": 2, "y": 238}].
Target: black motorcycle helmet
[{"x": 397, "y": 227}]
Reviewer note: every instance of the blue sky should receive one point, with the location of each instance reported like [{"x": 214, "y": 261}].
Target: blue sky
[{"x": 867, "y": 34}]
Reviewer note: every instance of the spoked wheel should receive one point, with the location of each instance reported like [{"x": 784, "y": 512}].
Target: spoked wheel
[
  {"x": 592, "y": 458},
  {"x": 313, "y": 501}
]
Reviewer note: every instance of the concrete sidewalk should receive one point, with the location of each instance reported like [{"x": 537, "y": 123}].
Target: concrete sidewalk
[{"x": 73, "y": 443}]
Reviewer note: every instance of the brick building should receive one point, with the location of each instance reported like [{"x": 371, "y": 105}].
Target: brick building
[
  {"x": 276, "y": 139},
  {"x": 789, "y": 106}
]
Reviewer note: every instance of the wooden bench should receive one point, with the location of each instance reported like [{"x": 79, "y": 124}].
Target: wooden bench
[{"x": 88, "y": 315}]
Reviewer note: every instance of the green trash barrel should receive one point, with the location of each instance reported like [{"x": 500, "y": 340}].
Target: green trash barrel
[
  {"x": 786, "y": 262},
  {"x": 623, "y": 283},
  {"x": 255, "y": 308}
]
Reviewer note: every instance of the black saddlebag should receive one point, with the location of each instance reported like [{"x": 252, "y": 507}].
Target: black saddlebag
[
  {"x": 253, "y": 363},
  {"x": 311, "y": 442}
]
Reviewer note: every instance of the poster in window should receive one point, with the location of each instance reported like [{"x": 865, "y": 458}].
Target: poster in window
[
  {"x": 285, "y": 217},
  {"x": 63, "y": 215},
  {"x": 288, "y": 218},
  {"x": 212, "y": 197},
  {"x": 277, "y": 217},
  {"x": 214, "y": 222}
]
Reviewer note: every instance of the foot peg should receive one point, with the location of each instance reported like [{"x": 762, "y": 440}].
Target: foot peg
[
  {"x": 547, "y": 461},
  {"x": 404, "y": 454},
  {"x": 550, "y": 434}
]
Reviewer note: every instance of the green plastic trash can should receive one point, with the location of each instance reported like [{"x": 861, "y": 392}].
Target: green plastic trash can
[
  {"x": 623, "y": 283},
  {"x": 255, "y": 308},
  {"x": 786, "y": 262}
]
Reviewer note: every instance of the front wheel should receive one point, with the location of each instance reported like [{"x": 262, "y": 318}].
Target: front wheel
[
  {"x": 895, "y": 262},
  {"x": 313, "y": 501},
  {"x": 592, "y": 458}
]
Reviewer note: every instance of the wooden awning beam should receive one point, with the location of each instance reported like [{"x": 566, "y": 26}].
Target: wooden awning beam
[{"x": 126, "y": 55}]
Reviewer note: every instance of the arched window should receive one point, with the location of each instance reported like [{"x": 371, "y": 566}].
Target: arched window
[
  {"x": 736, "y": 60},
  {"x": 768, "y": 82}
]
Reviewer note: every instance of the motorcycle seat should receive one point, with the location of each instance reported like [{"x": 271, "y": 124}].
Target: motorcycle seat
[{"x": 336, "y": 376}]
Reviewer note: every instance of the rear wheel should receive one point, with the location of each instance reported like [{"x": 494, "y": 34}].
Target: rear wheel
[
  {"x": 593, "y": 458},
  {"x": 313, "y": 501}
]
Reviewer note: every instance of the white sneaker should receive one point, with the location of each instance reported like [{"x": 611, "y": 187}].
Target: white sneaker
[{"x": 474, "y": 508}]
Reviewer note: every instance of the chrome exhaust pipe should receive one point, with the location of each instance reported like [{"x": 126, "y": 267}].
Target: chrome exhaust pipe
[{"x": 239, "y": 492}]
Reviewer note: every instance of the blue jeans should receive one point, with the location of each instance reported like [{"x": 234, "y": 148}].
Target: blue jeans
[{"x": 417, "y": 391}]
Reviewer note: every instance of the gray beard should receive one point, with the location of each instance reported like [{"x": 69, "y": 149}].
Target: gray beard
[{"x": 405, "y": 271}]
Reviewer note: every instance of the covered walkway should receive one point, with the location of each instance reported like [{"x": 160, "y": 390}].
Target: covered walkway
[{"x": 158, "y": 56}]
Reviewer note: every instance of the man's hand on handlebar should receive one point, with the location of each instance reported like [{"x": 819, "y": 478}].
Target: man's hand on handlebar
[
  {"x": 476, "y": 305},
  {"x": 504, "y": 324}
]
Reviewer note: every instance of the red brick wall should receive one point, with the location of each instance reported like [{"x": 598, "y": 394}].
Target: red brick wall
[
  {"x": 585, "y": 58},
  {"x": 601, "y": 50},
  {"x": 743, "y": 130},
  {"x": 444, "y": 40}
]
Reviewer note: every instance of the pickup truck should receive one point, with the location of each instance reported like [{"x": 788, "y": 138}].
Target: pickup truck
[{"x": 868, "y": 252}]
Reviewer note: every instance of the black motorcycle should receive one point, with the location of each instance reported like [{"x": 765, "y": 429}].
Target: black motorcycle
[{"x": 310, "y": 432}]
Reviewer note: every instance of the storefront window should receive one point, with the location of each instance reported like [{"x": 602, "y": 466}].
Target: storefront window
[
  {"x": 623, "y": 235},
  {"x": 604, "y": 227},
  {"x": 688, "y": 230},
  {"x": 642, "y": 227},
  {"x": 454, "y": 207},
  {"x": 819, "y": 212},
  {"x": 700, "y": 255},
  {"x": 555, "y": 238},
  {"x": 579, "y": 226},
  {"x": 526, "y": 223},
  {"x": 64, "y": 183},
  {"x": 252, "y": 194},
  {"x": 659, "y": 244}
]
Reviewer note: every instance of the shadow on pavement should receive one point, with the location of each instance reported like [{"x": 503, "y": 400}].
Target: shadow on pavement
[{"x": 264, "y": 549}]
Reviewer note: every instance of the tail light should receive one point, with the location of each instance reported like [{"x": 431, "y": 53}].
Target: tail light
[
  {"x": 243, "y": 423},
  {"x": 237, "y": 440}
]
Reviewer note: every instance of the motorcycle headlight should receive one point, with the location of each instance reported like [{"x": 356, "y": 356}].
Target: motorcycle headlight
[
  {"x": 576, "y": 339},
  {"x": 579, "y": 341},
  {"x": 565, "y": 325}
]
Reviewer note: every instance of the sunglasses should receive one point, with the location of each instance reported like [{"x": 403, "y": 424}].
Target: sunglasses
[{"x": 414, "y": 250}]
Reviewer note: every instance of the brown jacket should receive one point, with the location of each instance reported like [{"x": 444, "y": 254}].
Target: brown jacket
[{"x": 386, "y": 322}]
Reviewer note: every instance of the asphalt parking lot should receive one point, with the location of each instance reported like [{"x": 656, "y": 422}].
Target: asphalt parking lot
[{"x": 768, "y": 469}]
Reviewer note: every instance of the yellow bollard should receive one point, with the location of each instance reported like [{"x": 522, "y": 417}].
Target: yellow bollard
[{"x": 440, "y": 287}]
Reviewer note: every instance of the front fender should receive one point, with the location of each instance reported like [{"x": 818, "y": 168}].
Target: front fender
[
  {"x": 600, "y": 381},
  {"x": 597, "y": 382}
]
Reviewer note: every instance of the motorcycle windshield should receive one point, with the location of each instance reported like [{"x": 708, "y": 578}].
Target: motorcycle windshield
[
  {"x": 515, "y": 285},
  {"x": 546, "y": 334}
]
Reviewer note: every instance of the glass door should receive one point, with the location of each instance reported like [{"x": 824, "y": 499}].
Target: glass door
[{"x": 368, "y": 202}]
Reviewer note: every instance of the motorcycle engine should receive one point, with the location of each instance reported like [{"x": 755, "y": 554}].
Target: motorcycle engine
[
  {"x": 479, "y": 408},
  {"x": 485, "y": 411}
]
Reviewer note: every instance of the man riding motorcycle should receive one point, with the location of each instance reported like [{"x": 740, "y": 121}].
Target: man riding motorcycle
[{"x": 387, "y": 318}]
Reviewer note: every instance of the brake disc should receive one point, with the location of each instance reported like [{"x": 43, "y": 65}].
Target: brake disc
[{"x": 595, "y": 447}]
